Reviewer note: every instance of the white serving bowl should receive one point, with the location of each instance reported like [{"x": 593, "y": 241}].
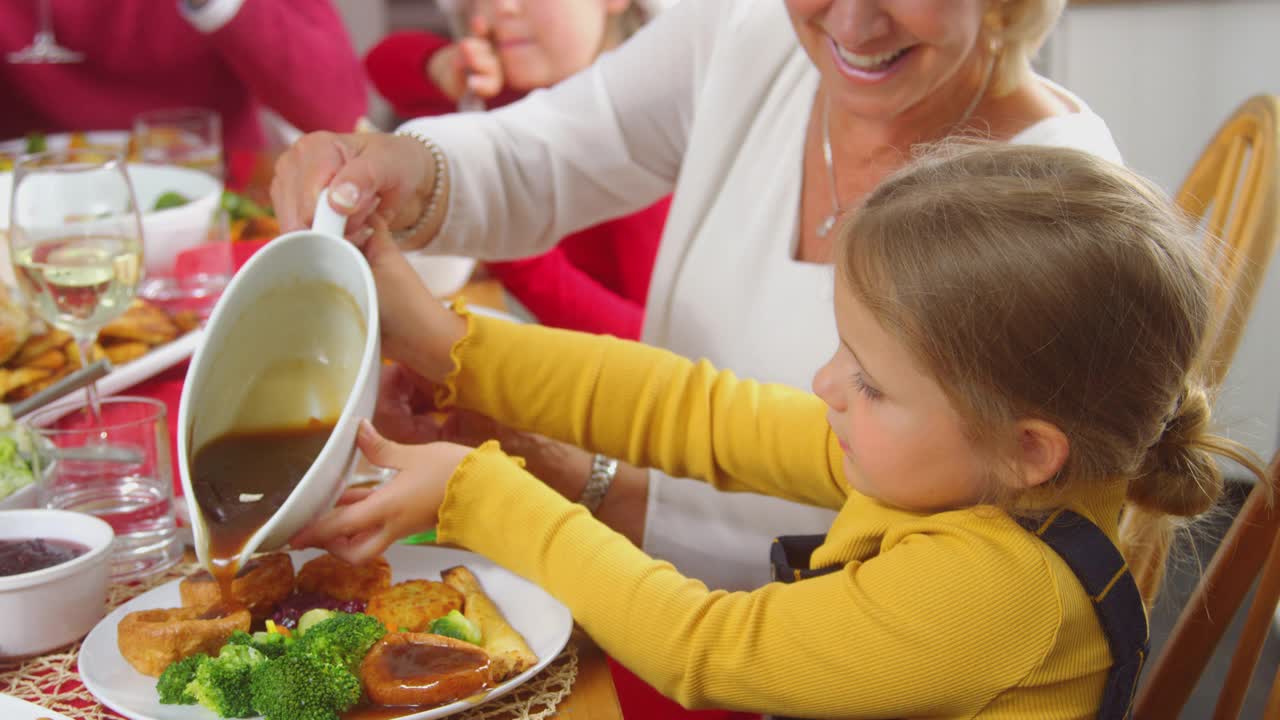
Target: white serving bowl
[
  {"x": 56, "y": 606},
  {"x": 165, "y": 233},
  {"x": 308, "y": 297},
  {"x": 442, "y": 274}
]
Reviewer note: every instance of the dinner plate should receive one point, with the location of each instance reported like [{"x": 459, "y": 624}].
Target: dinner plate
[
  {"x": 540, "y": 618},
  {"x": 12, "y": 708},
  {"x": 59, "y": 141},
  {"x": 21, "y": 499},
  {"x": 123, "y": 377}
]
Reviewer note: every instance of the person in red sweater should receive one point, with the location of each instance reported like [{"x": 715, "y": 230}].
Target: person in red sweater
[
  {"x": 595, "y": 280},
  {"x": 232, "y": 56}
]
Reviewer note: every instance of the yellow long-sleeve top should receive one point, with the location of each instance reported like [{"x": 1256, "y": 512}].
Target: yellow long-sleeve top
[{"x": 951, "y": 615}]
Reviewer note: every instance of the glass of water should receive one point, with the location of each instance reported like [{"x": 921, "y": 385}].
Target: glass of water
[
  {"x": 190, "y": 137},
  {"x": 117, "y": 468}
]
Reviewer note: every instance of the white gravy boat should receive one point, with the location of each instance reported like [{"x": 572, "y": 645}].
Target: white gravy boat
[{"x": 293, "y": 337}]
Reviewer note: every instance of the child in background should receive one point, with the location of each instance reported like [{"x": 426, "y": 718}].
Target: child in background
[
  {"x": 1019, "y": 329},
  {"x": 596, "y": 280}
]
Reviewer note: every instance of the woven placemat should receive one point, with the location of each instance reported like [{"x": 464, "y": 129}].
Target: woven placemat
[{"x": 52, "y": 682}]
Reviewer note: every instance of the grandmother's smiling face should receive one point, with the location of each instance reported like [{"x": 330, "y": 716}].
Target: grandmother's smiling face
[{"x": 880, "y": 58}]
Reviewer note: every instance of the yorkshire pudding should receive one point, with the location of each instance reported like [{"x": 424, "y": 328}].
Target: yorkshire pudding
[
  {"x": 423, "y": 669},
  {"x": 15, "y": 325},
  {"x": 153, "y": 639},
  {"x": 260, "y": 585},
  {"x": 341, "y": 580}
]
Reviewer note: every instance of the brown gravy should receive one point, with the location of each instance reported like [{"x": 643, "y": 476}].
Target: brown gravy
[
  {"x": 240, "y": 479},
  {"x": 411, "y": 662},
  {"x": 29, "y": 555}
]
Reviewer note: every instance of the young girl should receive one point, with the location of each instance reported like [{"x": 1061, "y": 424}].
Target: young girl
[
  {"x": 596, "y": 280},
  {"x": 1018, "y": 333}
]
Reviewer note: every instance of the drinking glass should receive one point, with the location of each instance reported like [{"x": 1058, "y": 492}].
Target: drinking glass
[
  {"x": 189, "y": 257},
  {"x": 44, "y": 47},
  {"x": 75, "y": 241},
  {"x": 190, "y": 137},
  {"x": 130, "y": 486}
]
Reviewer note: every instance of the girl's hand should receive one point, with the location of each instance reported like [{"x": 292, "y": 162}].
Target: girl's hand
[
  {"x": 476, "y": 64},
  {"x": 366, "y": 522},
  {"x": 369, "y": 175},
  {"x": 417, "y": 329},
  {"x": 469, "y": 64}
]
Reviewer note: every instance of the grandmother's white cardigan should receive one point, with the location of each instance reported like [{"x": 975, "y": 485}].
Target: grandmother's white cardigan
[{"x": 711, "y": 99}]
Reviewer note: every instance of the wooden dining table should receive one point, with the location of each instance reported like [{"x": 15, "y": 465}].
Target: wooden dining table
[{"x": 592, "y": 695}]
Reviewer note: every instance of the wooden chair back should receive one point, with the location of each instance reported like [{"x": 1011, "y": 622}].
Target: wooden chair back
[
  {"x": 1248, "y": 552},
  {"x": 1234, "y": 189}
]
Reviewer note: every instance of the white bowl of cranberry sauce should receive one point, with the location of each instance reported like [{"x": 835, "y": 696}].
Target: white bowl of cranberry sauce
[{"x": 53, "y": 579}]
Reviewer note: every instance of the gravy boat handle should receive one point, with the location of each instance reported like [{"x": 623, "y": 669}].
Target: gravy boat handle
[{"x": 327, "y": 221}]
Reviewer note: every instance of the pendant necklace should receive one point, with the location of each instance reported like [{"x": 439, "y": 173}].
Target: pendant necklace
[{"x": 829, "y": 221}]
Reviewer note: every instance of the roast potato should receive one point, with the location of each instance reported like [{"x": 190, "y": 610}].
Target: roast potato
[{"x": 341, "y": 580}]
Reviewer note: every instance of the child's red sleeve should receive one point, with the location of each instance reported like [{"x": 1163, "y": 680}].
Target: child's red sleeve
[{"x": 397, "y": 67}]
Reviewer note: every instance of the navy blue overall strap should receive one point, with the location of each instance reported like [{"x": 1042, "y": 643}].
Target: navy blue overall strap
[
  {"x": 1105, "y": 576},
  {"x": 1096, "y": 563}
]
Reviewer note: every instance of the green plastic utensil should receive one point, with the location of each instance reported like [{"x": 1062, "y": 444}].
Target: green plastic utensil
[{"x": 422, "y": 538}]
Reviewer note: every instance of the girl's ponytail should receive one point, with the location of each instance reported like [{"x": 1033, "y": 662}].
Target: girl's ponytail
[{"x": 1178, "y": 478}]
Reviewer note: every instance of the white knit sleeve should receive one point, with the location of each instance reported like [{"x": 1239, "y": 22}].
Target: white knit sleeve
[{"x": 606, "y": 142}]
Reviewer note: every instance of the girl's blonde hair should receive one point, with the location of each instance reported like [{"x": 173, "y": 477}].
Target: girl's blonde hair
[
  {"x": 1047, "y": 283},
  {"x": 1021, "y": 29}
]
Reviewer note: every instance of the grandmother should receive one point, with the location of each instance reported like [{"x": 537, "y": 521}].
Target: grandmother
[{"x": 766, "y": 136}]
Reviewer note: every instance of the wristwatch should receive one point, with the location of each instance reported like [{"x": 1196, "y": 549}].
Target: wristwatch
[{"x": 603, "y": 470}]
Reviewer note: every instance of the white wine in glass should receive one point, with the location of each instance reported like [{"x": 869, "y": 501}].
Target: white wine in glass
[{"x": 75, "y": 241}]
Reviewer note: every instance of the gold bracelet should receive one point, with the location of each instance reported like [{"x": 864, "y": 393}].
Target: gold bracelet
[{"x": 440, "y": 179}]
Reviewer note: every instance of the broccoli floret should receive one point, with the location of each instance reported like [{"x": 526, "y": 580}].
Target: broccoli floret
[
  {"x": 302, "y": 687},
  {"x": 222, "y": 683},
  {"x": 172, "y": 684},
  {"x": 269, "y": 644},
  {"x": 15, "y": 473},
  {"x": 457, "y": 626},
  {"x": 342, "y": 639}
]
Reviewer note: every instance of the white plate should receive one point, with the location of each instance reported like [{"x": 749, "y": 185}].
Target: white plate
[
  {"x": 23, "y": 498},
  {"x": 125, "y": 376},
  {"x": 540, "y": 618},
  {"x": 60, "y": 141},
  {"x": 12, "y": 708}
]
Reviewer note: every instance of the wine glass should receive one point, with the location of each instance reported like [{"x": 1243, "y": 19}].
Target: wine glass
[
  {"x": 75, "y": 241},
  {"x": 44, "y": 47}
]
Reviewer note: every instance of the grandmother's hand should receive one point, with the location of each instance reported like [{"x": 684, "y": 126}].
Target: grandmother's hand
[{"x": 367, "y": 174}]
